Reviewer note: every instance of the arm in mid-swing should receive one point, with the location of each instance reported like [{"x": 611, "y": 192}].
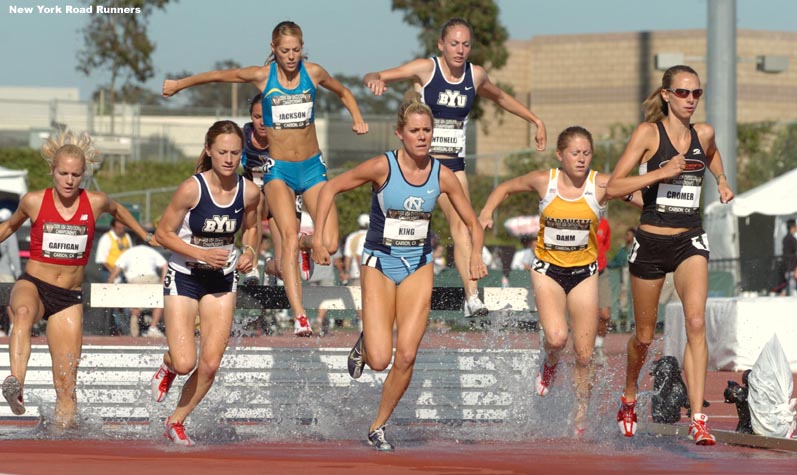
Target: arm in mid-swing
[
  {"x": 450, "y": 185},
  {"x": 250, "y": 238},
  {"x": 121, "y": 214},
  {"x": 532, "y": 181},
  {"x": 257, "y": 75},
  {"x": 417, "y": 70},
  {"x": 705, "y": 133},
  {"x": 374, "y": 170},
  {"x": 323, "y": 78},
  {"x": 643, "y": 143},
  {"x": 485, "y": 88}
]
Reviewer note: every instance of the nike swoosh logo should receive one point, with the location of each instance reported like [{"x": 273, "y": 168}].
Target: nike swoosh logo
[
  {"x": 305, "y": 91},
  {"x": 430, "y": 191},
  {"x": 468, "y": 88},
  {"x": 239, "y": 210}
]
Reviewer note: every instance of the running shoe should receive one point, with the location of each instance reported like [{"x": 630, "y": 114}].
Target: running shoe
[
  {"x": 377, "y": 439},
  {"x": 599, "y": 356},
  {"x": 12, "y": 391},
  {"x": 306, "y": 264},
  {"x": 175, "y": 431},
  {"x": 356, "y": 361},
  {"x": 301, "y": 326},
  {"x": 252, "y": 277},
  {"x": 698, "y": 430},
  {"x": 473, "y": 307},
  {"x": 161, "y": 382},
  {"x": 626, "y": 417},
  {"x": 544, "y": 379}
]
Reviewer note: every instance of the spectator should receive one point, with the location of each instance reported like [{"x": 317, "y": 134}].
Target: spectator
[
  {"x": 604, "y": 235},
  {"x": 141, "y": 265},
  {"x": 10, "y": 267},
  {"x": 523, "y": 257},
  {"x": 110, "y": 246},
  {"x": 620, "y": 261},
  {"x": 790, "y": 257}
]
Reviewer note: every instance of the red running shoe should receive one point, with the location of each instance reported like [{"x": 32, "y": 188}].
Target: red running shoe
[
  {"x": 175, "y": 431},
  {"x": 161, "y": 382},
  {"x": 545, "y": 379},
  {"x": 301, "y": 327},
  {"x": 626, "y": 417},
  {"x": 698, "y": 430}
]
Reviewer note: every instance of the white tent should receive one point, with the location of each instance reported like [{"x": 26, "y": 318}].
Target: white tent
[
  {"x": 777, "y": 197},
  {"x": 13, "y": 181}
]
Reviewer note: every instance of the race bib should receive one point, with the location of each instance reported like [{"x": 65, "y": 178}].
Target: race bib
[
  {"x": 293, "y": 111},
  {"x": 64, "y": 241},
  {"x": 678, "y": 198},
  {"x": 449, "y": 137},
  {"x": 406, "y": 228},
  {"x": 565, "y": 239}
]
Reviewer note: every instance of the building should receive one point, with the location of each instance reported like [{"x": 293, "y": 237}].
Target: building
[{"x": 599, "y": 80}]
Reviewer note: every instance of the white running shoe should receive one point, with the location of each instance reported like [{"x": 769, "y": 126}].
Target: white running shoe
[
  {"x": 252, "y": 277},
  {"x": 154, "y": 332},
  {"x": 473, "y": 307},
  {"x": 12, "y": 392},
  {"x": 175, "y": 431},
  {"x": 301, "y": 326}
]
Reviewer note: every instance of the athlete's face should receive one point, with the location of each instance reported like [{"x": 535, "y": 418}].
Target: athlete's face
[
  {"x": 225, "y": 154},
  {"x": 67, "y": 173},
  {"x": 257, "y": 120},
  {"x": 576, "y": 157},
  {"x": 682, "y": 106},
  {"x": 288, "y": 52},
  {"x": 416, "y": 135},
  {"x": 455, "y": 46}
]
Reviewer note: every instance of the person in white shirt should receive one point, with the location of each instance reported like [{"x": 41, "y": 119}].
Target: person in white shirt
[{"x": 141, "y": 265}]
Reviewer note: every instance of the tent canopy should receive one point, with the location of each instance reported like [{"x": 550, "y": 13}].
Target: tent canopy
[{"x": 773, "y": 198}]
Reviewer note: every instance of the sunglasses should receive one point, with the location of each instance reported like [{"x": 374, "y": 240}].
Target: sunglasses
[{"x": 684, "y": 93}]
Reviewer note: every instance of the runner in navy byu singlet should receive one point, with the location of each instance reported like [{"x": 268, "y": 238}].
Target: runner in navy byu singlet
[
  {"x": 448, "y": 84},
  {"x": 288, "y": 83},
  {"x": 672, "y": 155},
  {"x": 199, "y": 227},
  {"x": 396, "y": 271}
]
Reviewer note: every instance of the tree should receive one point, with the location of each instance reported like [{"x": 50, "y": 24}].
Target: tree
[
  {"x": 218, "y": 95},
  {"x": 119, "y": 43},
  {"x": 369, "y": 104},
  {"x": 489, "y": 35}
]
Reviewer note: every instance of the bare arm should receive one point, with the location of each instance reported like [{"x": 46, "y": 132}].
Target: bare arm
[
  {"x": 121, "y": 214},
  {"x": 418, "y": 70},
  {"x": 374, "y": 170},
  {"x": 485, "y": 88},
  {"x": 644, "y": 142},
  {"x": 449, "y": 184},
  {"x": 185, "y": 198},
  {"x": 252, "y": 231},
  {"x": 346, "y": 97},
  {"x": 706, "y": 135},
  {"x": 29, "y": 205},
  {"x": 256, "y": 75},
  {"x": 532, "y": 181},
  {"x": 633, "y": 199}
]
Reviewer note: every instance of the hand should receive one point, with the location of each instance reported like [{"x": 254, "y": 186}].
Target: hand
[
  {"x": 169, "y": 87},
  {"x": 674, "y": 166},
  {"x": 377, "y": 86},
  {"x": 216, "y": 257},
  {"x": 486, "y": 221},
  {"x": 726, "y": 194},
  {"x": 360, "y": 128},
  {"x": 246, "y": 262},
  {"x": 542, "y": 137},
  {"x": 477, "y": 267},
  {"x": 320, "y": 252}
]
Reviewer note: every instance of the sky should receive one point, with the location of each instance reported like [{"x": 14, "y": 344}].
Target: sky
[{"x": 344, "y": 36}]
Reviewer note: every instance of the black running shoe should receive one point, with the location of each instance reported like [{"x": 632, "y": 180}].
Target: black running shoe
[
  {"x": 377, "y": 439},
  {"x": 356, "y": 361}
]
